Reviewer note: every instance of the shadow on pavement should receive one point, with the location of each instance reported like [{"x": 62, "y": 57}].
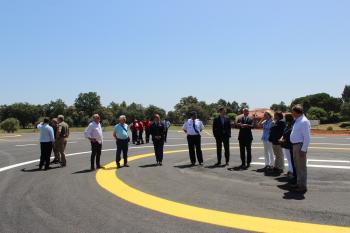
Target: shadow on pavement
[{"x": 149, "y": 165}]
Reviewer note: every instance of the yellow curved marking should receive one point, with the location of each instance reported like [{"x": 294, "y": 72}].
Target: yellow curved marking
[{"x": 108, "y": 180}]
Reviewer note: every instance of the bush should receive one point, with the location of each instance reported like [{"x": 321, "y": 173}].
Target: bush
[
  {"x": 69, "y": 121},
  {"x": 344, "y": 125},
  {"x": 10, "y": 125},
  {"x": 316, "y": 113},
  {"x": 329, "y": 128},
  {"x": 232, "y": 116}
]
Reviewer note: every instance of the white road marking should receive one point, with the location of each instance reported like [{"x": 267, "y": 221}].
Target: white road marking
[
  {"x": 11, "y": 136},
  {"x": 26, "y": 145},
  {"x": 320, "y": 160},
  {"x": 72, "y": 142},
  {"x": 313, "y": 166}
]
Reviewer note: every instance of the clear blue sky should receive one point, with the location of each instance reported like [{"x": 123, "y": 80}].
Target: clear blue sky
[{"x": 157, "y": 51}]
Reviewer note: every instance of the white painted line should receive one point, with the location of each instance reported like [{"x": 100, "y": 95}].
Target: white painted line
[
  {"x": 313, "y": 166},
  {"x": 320, "y": 160},
  {"x": 26, "y": 145},
  {"x": 72, "y": 142},
  {"x": 11, "y": 136},
  {"x": 329, "y": 143},
  {"x": 318, "y": 137}
]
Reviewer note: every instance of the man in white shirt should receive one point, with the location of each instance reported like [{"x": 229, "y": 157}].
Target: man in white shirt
[
  {"x": 94, "y": 133},
  {"x": 193, "y": 128},
  {"x": 47, "y": 139},
  {"x": 300, "y": 138}
]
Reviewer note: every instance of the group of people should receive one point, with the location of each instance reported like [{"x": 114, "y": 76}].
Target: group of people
[
  {"x": 139, "y": 127},
  {"x": 53, "y": 137},
  {"x": 283, "y": 136}
]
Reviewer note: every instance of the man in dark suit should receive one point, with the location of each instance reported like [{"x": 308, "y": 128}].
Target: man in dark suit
[
  {"x": 245, "y": 138},
  {"x": 222, "y": 134}
]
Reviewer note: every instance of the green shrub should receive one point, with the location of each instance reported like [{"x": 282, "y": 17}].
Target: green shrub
[
  {"x": 344, "y": 125},
  {"x": 10, "y": 125},
  {"x": 329, "y": 128}
]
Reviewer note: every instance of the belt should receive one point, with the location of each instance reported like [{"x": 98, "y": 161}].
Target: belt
[{"x": 299, "y": 143}]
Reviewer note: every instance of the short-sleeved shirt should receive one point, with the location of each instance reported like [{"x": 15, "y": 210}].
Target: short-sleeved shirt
[
  {"x": 64, "y": 129},
  {"x": 122, "y": 133},
  {"x": 188, "y": 126}
]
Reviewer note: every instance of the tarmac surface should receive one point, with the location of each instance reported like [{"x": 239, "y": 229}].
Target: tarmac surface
[{"x": 71, "y": 200}]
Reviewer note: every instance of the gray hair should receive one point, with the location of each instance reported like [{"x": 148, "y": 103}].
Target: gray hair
[
  {"x": 60, "y": 117},
  {"x": 122, "y": 117},
  {"x": 95, "y": 116}
]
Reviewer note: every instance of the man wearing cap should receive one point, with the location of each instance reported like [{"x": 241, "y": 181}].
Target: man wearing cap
[
  {"x": 222, "y": 134},
  {"x": 193, "y": 128},
  {"x": 61, "y": 139},
  {"x": 94, "y": 133}
]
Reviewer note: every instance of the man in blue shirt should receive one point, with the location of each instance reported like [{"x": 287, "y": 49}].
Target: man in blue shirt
[
  {"x": 47, "y": 139},
  {"x": 122, "y": 139}
]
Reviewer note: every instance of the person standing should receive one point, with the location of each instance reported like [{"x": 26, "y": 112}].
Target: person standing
[
  {"x": 134, "y": 127},
  {"x": 287, "y": 146},
  {"x": 300, "y": 138},
  {"x": 193, "y": 128},
  {"x": 121, "y": 136},
  {"x": 47, "y": 139},
  {"x": 54, "y": 125},
  {"x": 61, "y": 142},
  {"x": 94, "y": 133},
  {"x": 222, "y": 134},
  {"x": 166, "y": 124},
  {"x": 267, "y": 123},
  {"x": 147, "y": 125},
  {"x": 245, "y": 138},
  {"x": 157, "y": 131},
  {"x": 140, "y": 135},
  {"x": 276, "y": 133}
]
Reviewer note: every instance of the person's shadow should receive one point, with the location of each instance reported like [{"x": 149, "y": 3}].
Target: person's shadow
[
  {"x": 184, "y": 166},
  {"x": 38, "y": 170},
  {"x": 149, "y": 165},
  {"x": 83, "y": 171},
  {"x": 215, "y": 166}
]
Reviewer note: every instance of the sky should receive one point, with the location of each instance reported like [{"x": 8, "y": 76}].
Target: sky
[{"x": 157, "y": 51}]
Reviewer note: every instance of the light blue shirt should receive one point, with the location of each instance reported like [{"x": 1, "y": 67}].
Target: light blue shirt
[
  {"x": 120, "y": 132},
  {"x": 46, "y": 133},
  {"x": 267, "y": 125}
]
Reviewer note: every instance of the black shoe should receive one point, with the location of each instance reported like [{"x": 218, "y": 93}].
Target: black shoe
[
  {"x": 160, "y": 164},
  {"x": 126, "y": 165},
  {"x": 200, "y": 164},
  {"x": 118, "y": 165},
  {"x": 248, "y": 166},
  {"x": 47, "y": 168},
  {"x": 100, "y": 167},
  {"x": 92, "y": 168},
  {"x": 217, "y": 165}
]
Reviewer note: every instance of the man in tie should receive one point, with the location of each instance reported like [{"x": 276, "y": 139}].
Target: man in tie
[
  {"x": 193, "y": 128},
  {"x": 245, "y": 138},
  {"x": 222, "y": 134}
]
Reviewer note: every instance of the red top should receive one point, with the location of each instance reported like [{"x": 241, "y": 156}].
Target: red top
[{"x": 147, "y": 124}]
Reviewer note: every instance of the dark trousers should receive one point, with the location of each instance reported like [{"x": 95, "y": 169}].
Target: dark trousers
[
  {"x": 226, "y": 142},
  {"x": 195, "y": 147},
  {"x": 159, "y": 150},
  {"x": 246, "y": 146},
  {"x": 122, "y": 146},
  {"x": 96, "y": 150},
  {"x": 134, "y": 137},
  {"x": 46, "y": 149},
  {"x": 295, "y": 176},
  {"x": 140, "y": 138},
  {"x": 148, "y": 133},
  {"x": 165, "y": 135}
]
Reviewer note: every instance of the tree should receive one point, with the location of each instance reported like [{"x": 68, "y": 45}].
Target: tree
[
  {"x": 173, "y": 117},
  {"x": 279, "y": 107},
  {"x": 316, "y": 113},
  {"x": 88, "y": 103},
  {"x": 189, "y": 104},
  {"x": 346, "y": 94},
  {"x": 55, "y": 108},
  {"x": 25, "y": 113},
  {"x": 242, "y": 107},
  {"x": 321, "y": 100},
  {"x": 10, "y": 125},
  {"x": 151, "y": 110},
  {"x": 345, "y": 111}
]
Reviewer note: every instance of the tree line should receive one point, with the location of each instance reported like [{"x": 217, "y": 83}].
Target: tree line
[{"x": 319, "y": 106}]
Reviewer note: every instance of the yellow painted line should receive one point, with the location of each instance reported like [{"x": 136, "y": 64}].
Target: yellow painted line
[{"x": 109, "y": 180}]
